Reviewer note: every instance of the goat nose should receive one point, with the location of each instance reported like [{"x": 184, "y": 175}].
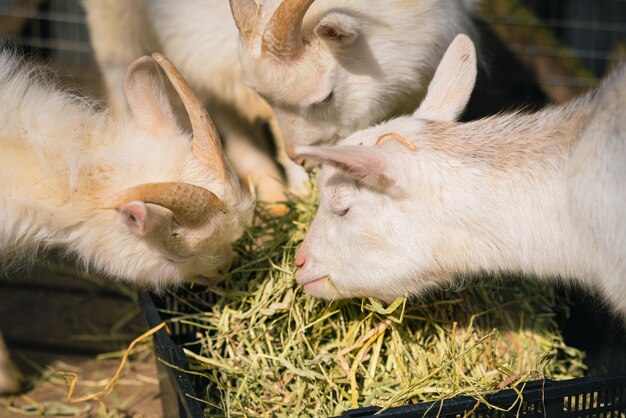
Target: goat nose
[{"x": 300, "y": 257}]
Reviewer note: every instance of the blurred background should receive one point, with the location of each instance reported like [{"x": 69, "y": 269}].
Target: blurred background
[
  {"x": 53, "y": 32},
  {"x": 537, "y": 51},
  {"x": 567, "y": 44}
]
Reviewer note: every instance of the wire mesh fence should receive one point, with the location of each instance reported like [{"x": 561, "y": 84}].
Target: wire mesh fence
[
  {"x": 53, "y": 32},
  {"x": 567, "y": 44}
]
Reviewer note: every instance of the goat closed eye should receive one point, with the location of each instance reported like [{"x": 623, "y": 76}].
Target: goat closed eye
[
  {"x": 341, "y": 212},
  {"x": 326, "y": 100}
]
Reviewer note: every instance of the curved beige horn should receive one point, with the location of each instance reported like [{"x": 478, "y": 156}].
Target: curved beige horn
[
  {"x": 190, "y": 204},
  {"x": 207, "y": 146},
  {"x": 245, "y": 13},
  {"x": 283, "y": 34}
]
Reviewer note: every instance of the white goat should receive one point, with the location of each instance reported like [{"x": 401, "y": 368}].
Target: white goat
[
  {"x": 136, "y": 199},
  {"x": 414, "y": 202},
  {"x": 327, "y": 67}
]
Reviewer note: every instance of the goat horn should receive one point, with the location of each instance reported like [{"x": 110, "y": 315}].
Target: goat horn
[
  {"x": 283, "y": 34},
  {"x": 245, "y": 14},
  {"x": 190, "y": 204},
  {"x": 207, "y": 146}
]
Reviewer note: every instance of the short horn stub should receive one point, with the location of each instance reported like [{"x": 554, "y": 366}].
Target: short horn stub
[{"x": 282, "y": 37}]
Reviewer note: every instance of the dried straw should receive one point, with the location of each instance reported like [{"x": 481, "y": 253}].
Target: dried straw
[
  {"x": 108, "y": 389},
  {"x": 270, "y": 350}
]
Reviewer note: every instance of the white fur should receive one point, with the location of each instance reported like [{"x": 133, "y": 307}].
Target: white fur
[
  {"x": 383, "y": 72},
  {"x": 61, "y": 161},
  {"x": 541, "y": 194}
]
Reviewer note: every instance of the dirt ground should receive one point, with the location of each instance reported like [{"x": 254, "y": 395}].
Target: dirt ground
[{"x": 59, "y": 326}]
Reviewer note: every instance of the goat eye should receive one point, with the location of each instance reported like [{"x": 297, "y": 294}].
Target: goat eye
[
  {"x": 342, "y": 212},
  {"x": 326, "y": 100}
]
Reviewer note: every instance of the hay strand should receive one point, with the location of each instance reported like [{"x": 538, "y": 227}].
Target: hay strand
[{"x": 267, "y": 349}]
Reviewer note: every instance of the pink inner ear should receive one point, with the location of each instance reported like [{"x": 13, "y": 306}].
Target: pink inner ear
[
  {"x": 362, "y": 163},
  {"x": 337, "y": 28},
  {"x": 359, "y": 162},
  {"x": 135, "y": 214},
  {"x": 356, "y": 170},
  {"x": 329, "y": 31}
]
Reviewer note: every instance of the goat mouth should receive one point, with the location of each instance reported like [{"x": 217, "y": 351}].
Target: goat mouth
[
  {"x": 204, "y": 280},
  {"x": 313, "y": 281},
  {"x": 179, "y": 260}
]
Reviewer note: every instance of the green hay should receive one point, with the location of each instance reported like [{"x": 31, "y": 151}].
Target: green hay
[{"x": 270, "y": 350}]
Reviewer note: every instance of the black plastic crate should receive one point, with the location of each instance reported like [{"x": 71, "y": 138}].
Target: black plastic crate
[{"x": 595, "y": 396}]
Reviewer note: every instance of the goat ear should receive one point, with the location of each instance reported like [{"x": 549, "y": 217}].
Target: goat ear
[
  {"x": 337, "y": 29},
  {"x": 146, "y": 95},
  {"x": 452, "y": 85},
  {"x": 134, "y": 215},
  {"x": 142, "y": 218},
  {"x": 366, "y": 164}
]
